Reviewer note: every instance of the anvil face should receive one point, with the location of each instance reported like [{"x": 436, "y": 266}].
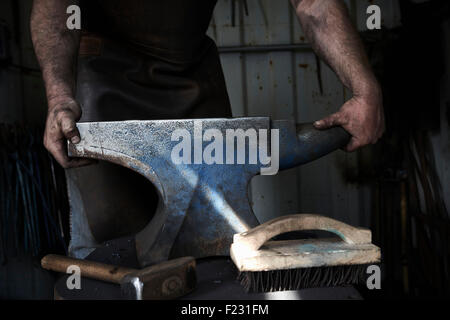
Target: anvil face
[{"x": 201, "y": 205}]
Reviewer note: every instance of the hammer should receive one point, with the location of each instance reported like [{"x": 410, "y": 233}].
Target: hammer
[{"x": 166, "y": 280}]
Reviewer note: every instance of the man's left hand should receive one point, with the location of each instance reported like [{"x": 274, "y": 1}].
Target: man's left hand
[{"x": 362, "y": 117}]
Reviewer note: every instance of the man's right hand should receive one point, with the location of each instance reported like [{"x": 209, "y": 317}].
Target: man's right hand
[{"x": 63, "y": 113}]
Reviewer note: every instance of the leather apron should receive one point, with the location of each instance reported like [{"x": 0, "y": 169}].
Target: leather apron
[{"x": 138, "y": 60}]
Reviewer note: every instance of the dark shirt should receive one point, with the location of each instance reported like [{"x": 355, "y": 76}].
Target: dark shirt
[{"x": 174, "y": 28}]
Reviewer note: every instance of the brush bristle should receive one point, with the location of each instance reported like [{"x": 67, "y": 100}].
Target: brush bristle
[{"x": 295, "y": 279}]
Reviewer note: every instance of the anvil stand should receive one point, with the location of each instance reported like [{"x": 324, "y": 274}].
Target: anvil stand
[{"x": 216, "y": 280}]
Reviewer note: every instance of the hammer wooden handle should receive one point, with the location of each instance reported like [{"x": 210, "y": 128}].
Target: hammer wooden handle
[
  {"x": 256, "y": 237},
  {"x": 90, "y": 269}
]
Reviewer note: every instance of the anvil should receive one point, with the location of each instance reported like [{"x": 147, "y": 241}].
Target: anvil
[{"x": 201, "y": 205}]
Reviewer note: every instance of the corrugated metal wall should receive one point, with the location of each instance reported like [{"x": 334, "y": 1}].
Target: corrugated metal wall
[
  {"x": 286, "y": 84},
  {"x": 10, "y": 80},
  {"x": 441, "y": 140},
  {"x": 22, "y": 94}
]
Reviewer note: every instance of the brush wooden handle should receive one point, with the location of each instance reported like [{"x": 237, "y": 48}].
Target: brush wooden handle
[
  {"x": 256, "y": 237},
  {"x": 90, "y": 269}
]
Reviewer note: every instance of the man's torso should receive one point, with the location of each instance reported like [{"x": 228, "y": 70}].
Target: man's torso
[{"x": 175, "y": 27}]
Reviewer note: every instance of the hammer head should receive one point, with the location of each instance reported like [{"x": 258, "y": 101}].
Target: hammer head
[{"x": 166, "y": 280}]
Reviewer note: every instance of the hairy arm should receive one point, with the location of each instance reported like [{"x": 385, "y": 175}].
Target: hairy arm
[
  {"x": 327, "y": 26},
  {"x": 56, "y": 49}
]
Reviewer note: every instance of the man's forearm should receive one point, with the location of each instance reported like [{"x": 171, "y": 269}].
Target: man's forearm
[
  {"x": 56, "y": 47},
  {"x": 327, "y": 26}
]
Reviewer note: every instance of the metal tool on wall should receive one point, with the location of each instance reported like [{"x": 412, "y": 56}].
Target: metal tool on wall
[
  {"x": 201, "y": 206},
  {"x": 233, "y": 10}
]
